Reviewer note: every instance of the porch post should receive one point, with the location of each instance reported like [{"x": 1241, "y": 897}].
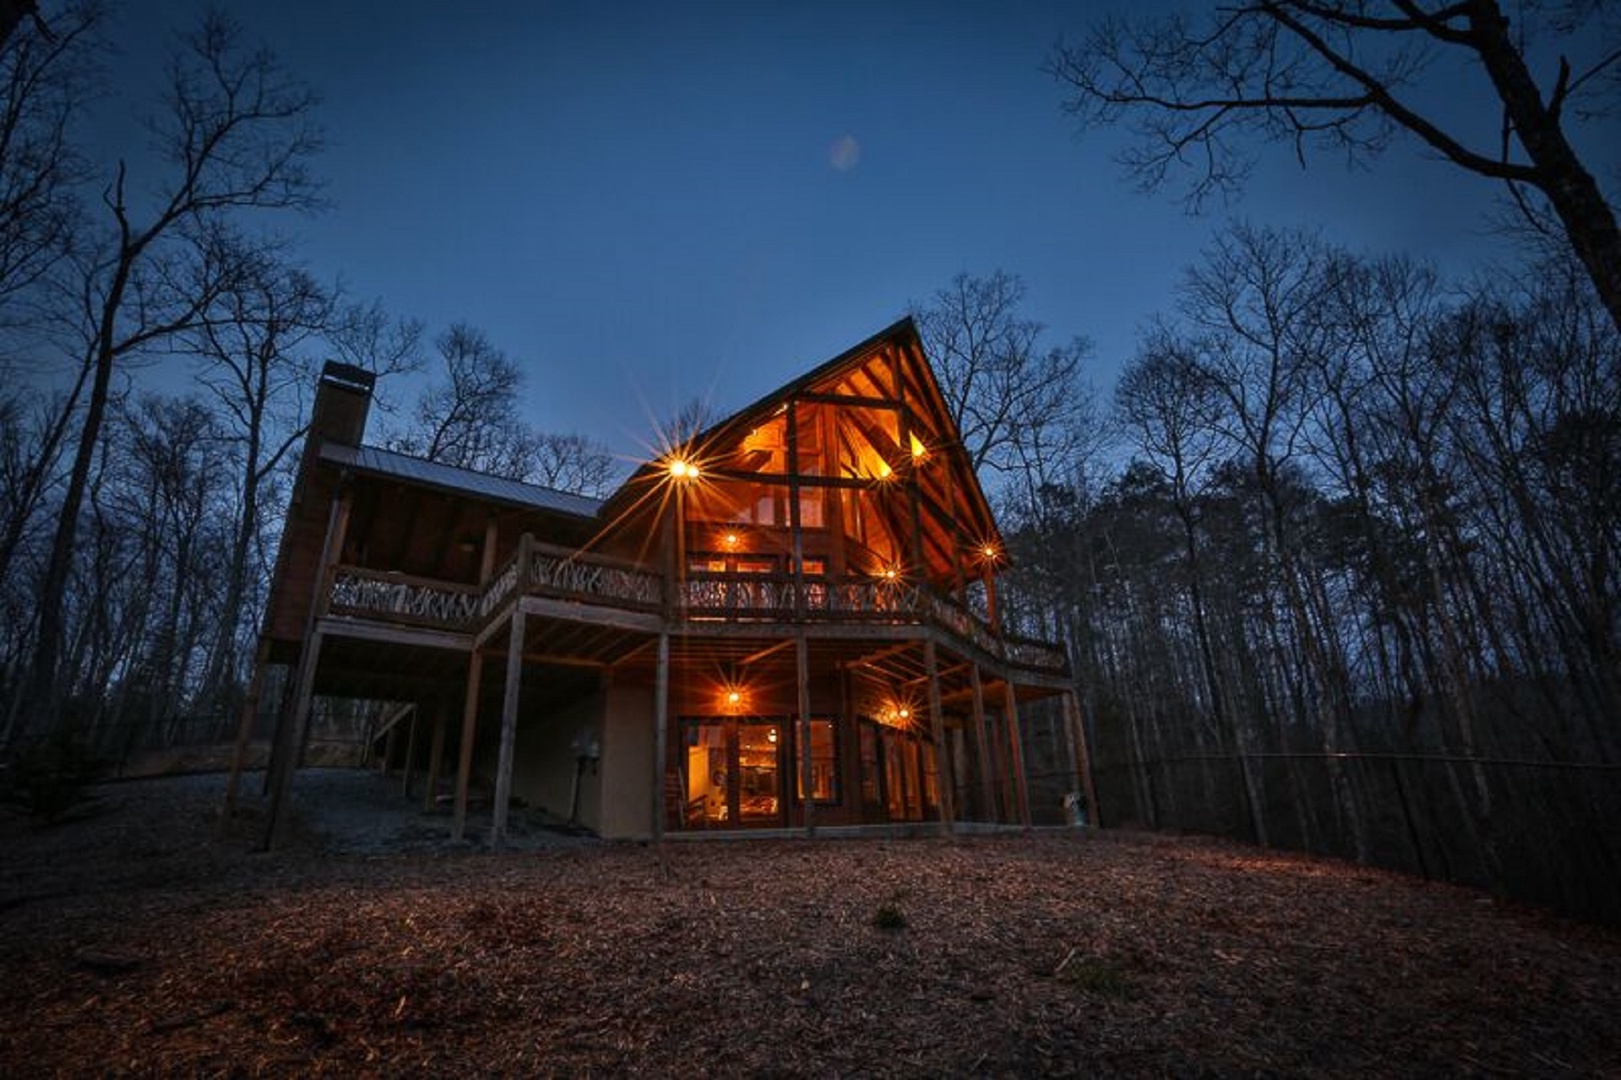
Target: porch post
[
  {"x": 1083, "y": 764},
  {"x": 944, "y": 774},
  {"x": 337, "y": 528},
  {"x": 464, "y": 764},
  {"x": 661, "y": 734},
  {"x": 410, "y": 753},
  {"x": 291, "y": 744},
  {"x": 1020, "y": 781},
  {"x": 436, "y": 756},
  {"x": 982, "y": 748},
  {"x": 802, "y": 662},
  {"x": 509, "y": 727}
]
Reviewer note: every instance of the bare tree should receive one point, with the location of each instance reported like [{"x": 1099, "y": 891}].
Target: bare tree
[
  {"x": 251, "y": 343},
  {"x": 1022, "y": 408},
  {"x": 237, "y": 136},
  {"x": 45, "y": 78},
  {"x": 1348, "y": 75},
  {"x": 573, "y": 463},
  {"x": 466, "y": 419}
]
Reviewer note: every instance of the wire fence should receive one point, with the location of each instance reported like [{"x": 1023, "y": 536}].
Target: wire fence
[{"x": 1541, "y": 831}]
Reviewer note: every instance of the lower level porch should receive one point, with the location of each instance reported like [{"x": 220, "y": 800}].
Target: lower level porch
[{"x": 642, "y": 729}]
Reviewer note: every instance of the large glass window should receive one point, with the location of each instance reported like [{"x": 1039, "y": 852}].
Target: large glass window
[
  {"x": 708, "y": 771},
  {"x": 759, "y": 770},
  {"x": 736, "y": 768}
]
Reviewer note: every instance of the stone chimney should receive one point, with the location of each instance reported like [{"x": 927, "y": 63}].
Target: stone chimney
[{"x": 342, "y": 399}]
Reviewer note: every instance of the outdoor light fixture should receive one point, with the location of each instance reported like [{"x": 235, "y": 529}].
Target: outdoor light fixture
[
  {"x": 919, "y": 451},
  {"x": 733, "y": 697},
  {"x": 730, "y": 540},
  {"x": 682, "y": 469}
]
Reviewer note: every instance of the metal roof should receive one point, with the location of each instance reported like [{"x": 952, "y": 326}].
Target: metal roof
[{"x": 373, "y": 459}]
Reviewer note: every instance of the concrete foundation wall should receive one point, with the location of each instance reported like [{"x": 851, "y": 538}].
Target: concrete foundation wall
[{"x": 627, "y": 764}]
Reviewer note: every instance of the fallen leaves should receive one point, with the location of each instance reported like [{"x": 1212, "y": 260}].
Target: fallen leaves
[{"x": 1012, "y": 956}]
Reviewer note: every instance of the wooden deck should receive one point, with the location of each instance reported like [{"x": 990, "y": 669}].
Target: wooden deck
[{"x": 729, "y": 599}]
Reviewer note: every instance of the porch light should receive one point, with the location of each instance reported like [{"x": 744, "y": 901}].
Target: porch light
[
  {"x": 682, "y": 469},
  {"x": 733, "y": 697},
  {"x": 988, "y": 552},
  {"x": 730, "y": 540}
]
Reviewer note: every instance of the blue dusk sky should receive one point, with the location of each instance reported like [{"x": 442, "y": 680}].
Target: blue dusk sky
[{"x": 647, "y": 203}]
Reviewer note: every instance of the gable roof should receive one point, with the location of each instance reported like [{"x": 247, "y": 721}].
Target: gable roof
[{"x": 917, "y": 394}]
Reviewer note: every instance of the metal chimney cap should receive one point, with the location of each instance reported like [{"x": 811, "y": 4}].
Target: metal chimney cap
[{"x": 348, "y": 376}]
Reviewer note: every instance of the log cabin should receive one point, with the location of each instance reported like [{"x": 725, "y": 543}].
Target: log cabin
[{"x": 788, "y": 622}]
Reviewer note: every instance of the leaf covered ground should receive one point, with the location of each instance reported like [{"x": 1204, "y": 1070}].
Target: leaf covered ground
[{"x": 133, "y": 942}]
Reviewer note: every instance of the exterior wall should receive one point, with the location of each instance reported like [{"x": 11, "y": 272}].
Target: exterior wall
[
  {"x": 627, "y": 763},
  {"x": 544, "y": 758}
]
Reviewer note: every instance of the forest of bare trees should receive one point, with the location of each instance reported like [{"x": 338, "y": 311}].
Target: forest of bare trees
[
  {"x": 1354, "y": 590},
  {"x": 159, "y": 340},
  {"x": 1339, "y": 560}
]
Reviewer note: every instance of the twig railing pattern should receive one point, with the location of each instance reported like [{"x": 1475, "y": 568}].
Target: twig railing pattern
[{"x": 542, "y": 570}]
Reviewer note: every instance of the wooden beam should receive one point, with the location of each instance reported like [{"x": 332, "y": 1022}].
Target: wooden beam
[
  {"x": 592, "y": 614},
  {"x": 292, "y": 730},
  {"x": 509, "y": 727},
  {"x": 464, "y": 764},
  {"x": 769, "y": 650},
  {"x": 802, "y": 664},
  {"x": 857, "y": 400},
  {"x": 295, "y": 725},
  {"x": 436, "y": 757},
  {"x": 387, "y": 726},
  {"x": 410, "y": 754},
  {"x": 982, "y": 748},
  {"x": 1021, "y": 786},
  {"x": 944, "y": 775},
  {"x": 884, "y": 654},
  {"x": 661, "y": 734},
  {"x": 390, "y": 634}
]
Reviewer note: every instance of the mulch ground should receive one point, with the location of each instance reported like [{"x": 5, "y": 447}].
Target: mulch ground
[{"x": 132, "y": 942}]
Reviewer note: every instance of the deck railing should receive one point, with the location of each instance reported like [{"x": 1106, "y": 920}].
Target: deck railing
[
  {"x": 542, "y": 570},
  {"x": 396, "y": 597}
]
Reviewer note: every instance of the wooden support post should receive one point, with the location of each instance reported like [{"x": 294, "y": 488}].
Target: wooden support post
[
  {"x": 944, "y": 774},
  {"x": 389, "y": 740},
  {"x": 986, "y": 770},
  {"x": 436, "y": 757},
  {"x": 661, "y": 734},
  {"x": 464, "y": 763},
  {"x": 410, "y": 752},
  {"x": 1083, "y": 764},
  {"x": 509, "y": 724},
  {"x": 291, "y": 736},
  {"x": 244, "y": 730},
  {"x": 1021, "y": 785},
  {"x": 806, "y": 774},
  {"x": 292, "y": 731}
]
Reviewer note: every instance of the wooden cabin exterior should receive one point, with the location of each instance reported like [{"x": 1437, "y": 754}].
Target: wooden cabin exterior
[{"x": 800, "y": 601}]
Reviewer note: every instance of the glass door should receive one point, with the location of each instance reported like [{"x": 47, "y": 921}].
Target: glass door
[
  {"x": 709, "y": 771},
  {"x": 759, "y": 772}
]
